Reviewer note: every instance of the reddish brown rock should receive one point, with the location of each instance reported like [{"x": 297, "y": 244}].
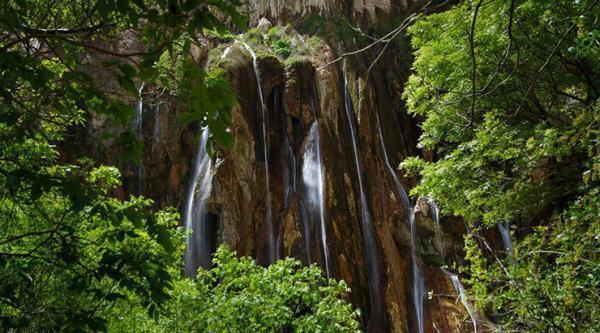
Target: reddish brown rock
[{"x": 294, "y": 93}]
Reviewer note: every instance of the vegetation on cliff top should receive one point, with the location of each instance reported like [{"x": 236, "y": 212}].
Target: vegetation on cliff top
[{"x": 508, "y": 91}]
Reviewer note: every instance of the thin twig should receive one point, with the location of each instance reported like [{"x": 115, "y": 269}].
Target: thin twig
[{"x": 473, "y": 60}]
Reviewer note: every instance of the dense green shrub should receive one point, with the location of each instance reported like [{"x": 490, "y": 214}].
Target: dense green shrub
[
  {"x": 237, "y": 295},
  {"x": 508, "y": 91}
]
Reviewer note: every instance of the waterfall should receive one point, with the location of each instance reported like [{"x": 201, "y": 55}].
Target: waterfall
[
  {"x": 139, "y": 110},
  {"x": 506, "y": 240},
  {"x": 137, "y": 127},
  {"x": 271, "y": 239},
  {"x": 463, "y": 298},
  {"x": 313, "y": 179},
  {"x": 198, "y": 251},
  {"x": 435, "y": 211},
  {"x": 226, "y": 52},
  {"x": 370, "y": 247},
  {"x": 304, "y": 216},
  {"x": 399, "y": 188},
  {"x": 418, "y": 280}
]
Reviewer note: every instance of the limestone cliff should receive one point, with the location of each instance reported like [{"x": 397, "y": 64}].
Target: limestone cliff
[{"x": 301, "y": 87}]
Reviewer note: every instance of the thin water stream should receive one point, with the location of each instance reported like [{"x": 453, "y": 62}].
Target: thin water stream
[
  {"x": 460, "y": 289},
  {"x": 418, "y": 291},
  {"x": 506, "y": 240},
  {"x": 418, "y": 280},
  {"x": 198, "y": 251},
  {"x": 137, "y": 127},
  {"x": 313, "y": 180}
]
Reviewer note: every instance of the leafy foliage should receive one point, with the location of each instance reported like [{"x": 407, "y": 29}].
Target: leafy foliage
[
  {"x": 62, "y": 259},
  {"x": 550, "y": 283},
  {"x": 279, "y": 41},
  {"x": 208, "y": 96},
  {"x": 239, "y": 296},
  {"x": 509, "y": 99},
  {"x": 45, "y": 49},
  {"x": 68, "y": 248}
]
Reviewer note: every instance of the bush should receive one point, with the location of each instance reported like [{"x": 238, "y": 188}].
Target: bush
[{"x": 239, "y": 296}]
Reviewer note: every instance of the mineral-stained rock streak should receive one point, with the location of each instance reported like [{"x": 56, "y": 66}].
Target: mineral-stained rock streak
[
  {"x": 418, "y": 281},
  {"x": 369, "y": 242},
  {"x": 271, "y": 237}
]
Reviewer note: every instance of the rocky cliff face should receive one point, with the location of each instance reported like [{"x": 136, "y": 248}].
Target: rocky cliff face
[
  {"x": 368, "y": 11},
  {"x": 301, "y": 88}
]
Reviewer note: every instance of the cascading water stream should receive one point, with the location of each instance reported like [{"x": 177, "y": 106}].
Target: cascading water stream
[
  {"x": 313, "y": 179},
  {"x": 304, "y": 217},
  {"x": 271, "y": 238},
  {"x": 463, "y": 298},
  {"x": 399, "y": 188},
  {"x": 137, "y": 127},
  {"x": 418, "y": 280},
  {"x": 370, "y": 247},
  {"x": 305, "y": 195},
  {"x": 435, "y": 211},
  {"x": 139, "y": 110},
  {"x": 198, "y": 252},
  {"x": 226, "y": 52},
  {"x": 506, "y": 240}
]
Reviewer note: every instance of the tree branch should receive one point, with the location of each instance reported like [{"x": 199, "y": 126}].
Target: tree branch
[
  {"x": 42, "y": 32},
  {"x": 473, "y": 60}
]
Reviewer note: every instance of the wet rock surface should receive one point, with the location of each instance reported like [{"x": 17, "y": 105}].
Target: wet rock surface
[{"x": 298, "y": 93}]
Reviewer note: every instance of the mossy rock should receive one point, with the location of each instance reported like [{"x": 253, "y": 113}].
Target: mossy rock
[
  {"x": 237, "y": 57},
  {"x": 297, "y": 62}
]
